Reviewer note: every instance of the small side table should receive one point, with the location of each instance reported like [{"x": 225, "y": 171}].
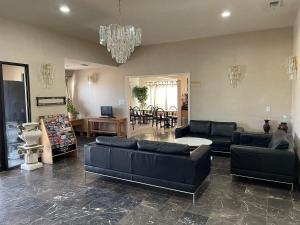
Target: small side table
[{"x": 78, "y": 123}]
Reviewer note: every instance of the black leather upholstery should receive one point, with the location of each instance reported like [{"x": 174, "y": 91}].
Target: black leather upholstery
[
  {"x": 253, "y": 158},
  {"x": 255, "y": 139},
  {"x": 224, "y": 129},
  {"x": 168, "y": 168},
  {"x": 117, "y": 142},
  {"x": 222, "y": 134},
  {"x": 163, "y": 147},
  {"x": 200, "y": 127}
]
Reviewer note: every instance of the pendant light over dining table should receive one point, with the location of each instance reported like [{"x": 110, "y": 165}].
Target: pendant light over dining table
[{"x": 120, "y": 40}]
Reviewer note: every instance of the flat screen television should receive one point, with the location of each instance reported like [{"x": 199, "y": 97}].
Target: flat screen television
[{"x": 106, "y": 111}]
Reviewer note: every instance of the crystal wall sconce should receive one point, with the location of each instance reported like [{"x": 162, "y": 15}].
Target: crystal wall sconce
[
  {"x": 292, "y": 67},
  {"x": 234, "y": 75},
  {"x": 92, "y": 78},
  {"x": 47, "y": 75}
]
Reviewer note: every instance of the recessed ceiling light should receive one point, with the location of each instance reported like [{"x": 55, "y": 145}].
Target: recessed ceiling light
[
  {"x": 226, "y": 14},
  {"x": 64, "y": 9}
]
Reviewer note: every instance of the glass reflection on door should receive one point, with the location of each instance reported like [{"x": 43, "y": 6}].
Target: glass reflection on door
[{"x": 16, "y": 110}]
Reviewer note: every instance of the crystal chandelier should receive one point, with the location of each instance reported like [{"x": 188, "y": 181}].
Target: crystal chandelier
[{"x": 120, "y": 40}]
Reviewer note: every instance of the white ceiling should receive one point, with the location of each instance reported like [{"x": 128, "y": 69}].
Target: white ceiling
[
  {"x": 160, "y": 20},
  {"x": 73, "y": 64}
]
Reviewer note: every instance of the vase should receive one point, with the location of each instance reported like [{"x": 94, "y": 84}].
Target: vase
[
  {"x": 72, "y": 116},
  {"x": 31, "y": 150},
  {"x": 283, "y": 126},
  {"x": 30, "y": 134},
  {"x": 267, "y": 126}
]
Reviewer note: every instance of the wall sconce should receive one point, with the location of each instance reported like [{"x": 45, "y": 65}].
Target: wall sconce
[
  {"x": 47, "y": 74},
  {"x": 292, "y": 67},
  {"x": 234, "y": 75},
  {"x": 92, "y": 78}
]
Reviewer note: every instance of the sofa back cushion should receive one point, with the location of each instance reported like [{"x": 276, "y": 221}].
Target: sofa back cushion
[
  {"x": 255, "y": 139},
  {"x": 224, "y": 129},
  {"x": 163, "y": 147},
  {"x": 200, "y": 127},
  {"x": 279, "y": 140},
  {"x": 117, "y": 142}
]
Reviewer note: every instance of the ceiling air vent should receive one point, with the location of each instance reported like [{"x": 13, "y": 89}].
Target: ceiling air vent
[{"x": 275, "y": 4}]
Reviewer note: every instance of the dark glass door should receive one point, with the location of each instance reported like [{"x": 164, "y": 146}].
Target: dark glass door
[{"x": 15, "y": 110}]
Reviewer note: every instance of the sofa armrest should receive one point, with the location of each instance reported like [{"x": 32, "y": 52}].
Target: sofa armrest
[
  {"x": 236, "y": 135},
  {"x": 199, "y": 152},
  {"x": 200, "y": 162},
  {"x": 182, "y": 131},
  {"x": 262, "y": 159}
]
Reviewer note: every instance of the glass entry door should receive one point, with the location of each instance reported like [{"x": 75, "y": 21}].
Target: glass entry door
[{"x": 16, "y": 110}]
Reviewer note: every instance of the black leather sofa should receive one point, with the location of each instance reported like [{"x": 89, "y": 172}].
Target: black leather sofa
[
  {"x": 267, "y": 157},
  {"x": 161, "y": 164},
  {"x": 222, "y": 134}
]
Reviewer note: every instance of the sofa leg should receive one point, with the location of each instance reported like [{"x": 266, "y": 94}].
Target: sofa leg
[
  {"x": 193, "y": 198},
  {"x": 84, "y": 177},
  {"x": 292, "y": 188}
]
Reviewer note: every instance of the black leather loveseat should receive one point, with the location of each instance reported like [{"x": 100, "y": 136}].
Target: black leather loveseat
[
  {"x": 167, "y": 165},
  {"x": 264, "y": 156},
  {"x": 222, "y": 134}
]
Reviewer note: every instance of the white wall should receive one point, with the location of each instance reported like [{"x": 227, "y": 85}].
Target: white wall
[
  {"x": 262, "y": 55},
  {"x": 31, "y": 45},
  {"x": 296, "y": 85}
]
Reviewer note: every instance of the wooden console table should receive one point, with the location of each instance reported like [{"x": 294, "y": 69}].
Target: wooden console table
[
  {"x": 79, "y": 123},
  {"x": 94, "y": 126}
]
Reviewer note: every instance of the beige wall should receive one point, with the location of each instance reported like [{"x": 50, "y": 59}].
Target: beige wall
[
  {"x": 296, "y": 85},
  {"x": 32, "y": 45},
  {"x": 264, "y": 83},
  {"x": 108, "y": 90}
]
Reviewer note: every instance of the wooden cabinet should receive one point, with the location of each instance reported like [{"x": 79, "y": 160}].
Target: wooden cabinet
[{"x": 107, "y": 125}]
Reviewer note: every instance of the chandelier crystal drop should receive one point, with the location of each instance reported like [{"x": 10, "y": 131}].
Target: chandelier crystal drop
[{"x": 120, "y": 40}]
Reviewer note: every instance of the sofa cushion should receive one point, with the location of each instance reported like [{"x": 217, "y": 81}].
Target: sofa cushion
[
  {"x": 220, "y": 141},
  {"x": 163, "y": 147},
  {"x": 197, "y": 135},
  {"x": 224, "y": 129},
  {"x": 255, "y": 139},
  {"x": 117, "y": 142},
  {"x": 279, "y": 140},
  {"x": 200, "y": 127}
]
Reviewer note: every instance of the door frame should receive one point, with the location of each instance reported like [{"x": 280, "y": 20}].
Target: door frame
[
  {"x": 3, "y": 143},
  {"x": 128, "y": 94}
]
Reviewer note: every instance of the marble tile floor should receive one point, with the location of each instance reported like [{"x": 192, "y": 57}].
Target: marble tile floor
[{"x": 58, "y": 195}]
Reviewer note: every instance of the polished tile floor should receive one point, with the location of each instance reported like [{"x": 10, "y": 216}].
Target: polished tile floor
[{"x": 58, "y": 195}]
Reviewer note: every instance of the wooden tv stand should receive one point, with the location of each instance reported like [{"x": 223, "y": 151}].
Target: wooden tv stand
[{"x": 95, "y": 125}]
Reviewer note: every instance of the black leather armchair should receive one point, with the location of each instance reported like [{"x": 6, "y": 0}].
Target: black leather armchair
[
  {"x": 265, "y": 157},
  {"x": 222, "y": 134}
]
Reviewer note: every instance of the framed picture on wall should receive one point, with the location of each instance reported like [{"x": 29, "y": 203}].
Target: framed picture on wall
[{"x": 49, "y": 101}]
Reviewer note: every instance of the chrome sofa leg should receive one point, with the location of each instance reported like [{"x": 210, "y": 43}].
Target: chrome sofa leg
[
  {"x": 194, "y": 199},
  {"x": 292, "y": 187}
]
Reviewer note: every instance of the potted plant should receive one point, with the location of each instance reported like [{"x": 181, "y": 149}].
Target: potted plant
[
  {"x": 72, "y": 113},
  {"x": 141, "y": 94}
]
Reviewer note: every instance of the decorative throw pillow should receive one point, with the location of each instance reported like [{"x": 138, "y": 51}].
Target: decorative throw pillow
[{"x": 279, "y": 140}]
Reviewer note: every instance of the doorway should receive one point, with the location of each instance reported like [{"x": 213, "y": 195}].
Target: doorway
[
  {"x": 15, "y": 110},
  {"x": 165, "y": 108}
]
